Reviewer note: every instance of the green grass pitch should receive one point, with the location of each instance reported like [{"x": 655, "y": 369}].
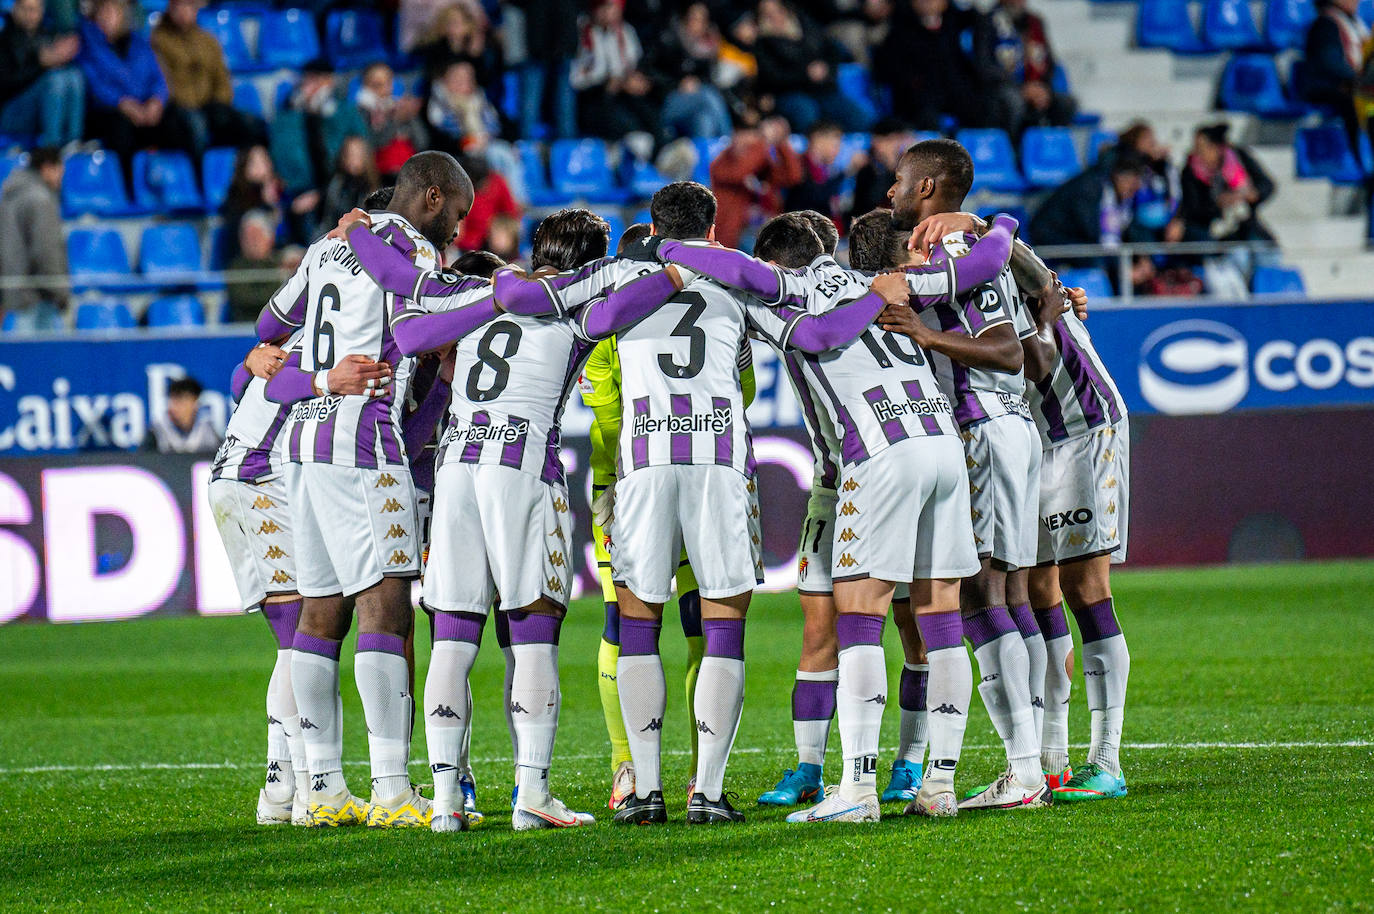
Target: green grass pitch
[{"x": 129, "y": 766}]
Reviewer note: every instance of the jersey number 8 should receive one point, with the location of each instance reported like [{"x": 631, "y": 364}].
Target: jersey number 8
[{"x": 488, "y": 357}]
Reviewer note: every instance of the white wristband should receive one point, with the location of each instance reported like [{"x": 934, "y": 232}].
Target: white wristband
[{"x": 322, "y": 382}]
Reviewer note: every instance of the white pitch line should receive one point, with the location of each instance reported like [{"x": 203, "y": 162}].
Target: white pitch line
[{"x": 744, "y": 750}]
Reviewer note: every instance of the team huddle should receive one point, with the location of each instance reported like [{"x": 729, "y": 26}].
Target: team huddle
[{"x": 970, "y": 475}]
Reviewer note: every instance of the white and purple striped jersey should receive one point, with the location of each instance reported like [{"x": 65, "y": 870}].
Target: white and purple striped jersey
[
  {"x": 342, "y": 311},
  {"x": 251, "y": 451},
  {"x": 1079, "y": 395}
]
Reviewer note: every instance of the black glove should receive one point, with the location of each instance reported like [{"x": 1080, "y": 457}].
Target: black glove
[{"x": 645, "y": 249}]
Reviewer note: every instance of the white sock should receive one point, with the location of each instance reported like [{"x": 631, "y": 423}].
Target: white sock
[
  {"x": 1009, "y": 703},
  {"x": 643, "y": 697},
  {"x": 510, "y": 721},
  {"x": 383, "y": 679},
  {"x": 719, "y": 701},
  {"x": 533, "y": 707},
  {"x": 1054, "y": 733},
  {"x": 1106, "y": 667},
  {"x": 315, "y": 683},
  {"x": 280, "y": 784},
  {"x": 859, "y": 703},
  {"x": 947, "y": 701},
  {"x": 1035, "y": 657},
  {"x": 911, "y": 700},
  {"x": 447, "y": 708},
  {"x": 813, "y": 708}
]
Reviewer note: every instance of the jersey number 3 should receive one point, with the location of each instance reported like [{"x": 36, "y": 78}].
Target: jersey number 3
[{"x": 696, "y": 338}]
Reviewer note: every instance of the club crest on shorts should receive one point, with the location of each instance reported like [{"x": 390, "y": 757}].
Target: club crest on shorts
[{"x": 802, "y": 566}]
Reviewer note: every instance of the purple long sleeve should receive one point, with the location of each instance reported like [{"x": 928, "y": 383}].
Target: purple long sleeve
[
  {"x": 291, "y": 383},
  {"x": 418, "y": 427},
  {"x": 521, "y": 295},
  {"x": 628, "y": 305},
  {"x": 238, "y": 382},
  {"x": 425, "y": 332},
  {"x": 817, "y": 333},
  {"x": 271, "y": 328},
  {"x": 948, "y": 277},
  {"x": 727, "y": 266}
]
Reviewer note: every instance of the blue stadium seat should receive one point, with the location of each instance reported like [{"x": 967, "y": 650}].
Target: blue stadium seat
[
  {"x": 103, "y": 314},
  {"x": 857, "y": 86},
  {"x": 1018, "y": 213},
  {"x": 1099, "y": 142},
  {"x": 1093, "y": 280},
  {"x": 10, "y": 161},
  {"x": 1251, "y": 83},
  {"x": 852, "y": 145},
  {"x": 707, "y": 150},
  {"x": 1049, "y": 156},
  {"x": 227, "y": 27},
  {"x": 1286, "y": 23},
  {"x": 642, "y": 216},
  {"x": 994, "y": 161},
  {"x": 510, "y": 94},
  {"x": 217, "y": 170},
  {"x": 247, "y": 99},
  {"x": 169, "y": 249},
  {"x": 1366, "y": 12},
  {"x": 97, "y": 254},
  {"x": 94, "y": 183},
  {"x": 1166, "y": 24},
  {"x": 165, "y": 182},
  {"x": 535, "y": 176},
  {"x": 617, "y": 225},
  {"x": 354, "y": 39},
  {"x": 1277, "y": 281},
  {"x": 1229, "y": 25},
  {"x": 581, "y": 169},
  {"x": 1323, "y": 152},
  {"x": 175, "y": 311},
  {"x": 641, "y": 178},
  {"x": 288, "y": 40}
]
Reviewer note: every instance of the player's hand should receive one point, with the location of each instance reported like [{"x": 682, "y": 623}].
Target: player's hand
[
  {"x": 603, "y": 507},
  {"x": 933, "y": 228},
  {"x": 1053, "y": 300},
  {"x": 448, "y": 365},
  {"x": 682, "y": 276},
  {"x": 263, "y": 360},
  {"x": 892, "y": 287},
  {"x": 348, "y": 220},
  {"x": 902, "y": 319},
  {"x": 359, "y": 375},
  {"x": 1078, "y": 299}
]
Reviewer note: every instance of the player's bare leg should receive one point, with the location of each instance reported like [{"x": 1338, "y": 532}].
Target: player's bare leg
[
  {"x": 813, "y": 703},
  {"x": 447, "y": 709},
  {"x": 315, "y": 682},
  {"x": 911, "y": 701},
  {"x": 719, "y": 701},
  {"x": 936, "y": 605},
  {"x": 1106, "y": 668},
  {"x": 643, "y": 697},
  {"x": 1048, "y": 606},
  {"x": 285, "y": 793}
]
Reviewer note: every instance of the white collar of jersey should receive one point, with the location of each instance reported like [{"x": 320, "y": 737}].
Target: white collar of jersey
[{"x": 824, "y": 260}]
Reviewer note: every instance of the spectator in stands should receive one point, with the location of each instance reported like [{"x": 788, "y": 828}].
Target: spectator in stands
[
  {"x": 355, "y": 176},
  {"x": 31, "y": 226},
  {"x": 1223, "y": 188},
  {"x": 128, "y": 95},
  {"x": 797, "y": 69},
  {"x": 684, "y": 64},
  {"x": 1334, "y": 56},
  {"x": 1156, "y": 205},
  {"x": 257, "y": 254},
  {"x": 459, "y": 113},
  {"x": 750, "y": 176},
  {"x": 255, "y": 186},
  {"x": 1094, "y": 208},
  {"x": 41, "y": 93},
  {"x": 938, "y": 61},
  {"x": 503, "y": 238},
  {"x": 459, "y": 34},
  {"x": 183, "y": 429},
  {"x": 823, "y": 175},
  {"x": 551, "y": 43},
  {"x": 394, "y": 126},
  {"x": 1022, "y": 48},
  {"x": 492, "y": 197},
  {"x": 890, "y": 139},
  {"x": 737, "y": 69},
  {"x": 198, "y": 80},
  {"x": 614, "y": 96},
  {"x": 307, "y": 135}
]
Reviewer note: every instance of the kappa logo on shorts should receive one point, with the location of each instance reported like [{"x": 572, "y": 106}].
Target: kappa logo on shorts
[
  {"x": 1077, "y": 539},
  {"x": 398, "y": 557},
  {"x": 849, "y": 486},
  {"x": 969, "y": 461},
  {"x": 848, "y": 535},
  {"x": 554, "y": 585},
  {"x": 1074, "y": 518},
  {"x": 262, "y": 503},
  {"x": 558, "y": 532},
  {"x": 385, "y": 481},
  {"x": 750, "y": 486},
  {"x": 974, "y": 490},
  {"x": 1111, "y": 508},
  {"x": 391, "y": 506},
  {"x": 1108, "y": 456},
  {"x": 281, "y": 577},
  {"x": 848, "y": 509},
  {"x": 396, "y": 532},
  {"x": 1110, "y": 483},
  {"x": 977, "y": 515},
  {"x": 556, "y": 559},
  {"x": 754, "y": 511},
  {"x": 560, "y": 505},
  {"x": 273, "y": 552},
  {"x": 754, "y": 539},
  {"x": 846, "y": 561},
  {"x": 268, "y": 526}
]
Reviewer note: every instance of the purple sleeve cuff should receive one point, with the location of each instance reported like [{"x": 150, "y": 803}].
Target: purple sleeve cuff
[
  {"x": 987, "y": 257},
  {"x": 521, "y": 295},
  {"x": 388, "y": 267},
  {"x": 725, "y": 265},
  {"x": 427, "y": 332},
  {"x": 627, "y": 305},
  {"x": 291, "y": 383},
  {"x": 837, "y": 327},
  {"x": 239, "y": 381},
  {"x": 270, "y": 327}
]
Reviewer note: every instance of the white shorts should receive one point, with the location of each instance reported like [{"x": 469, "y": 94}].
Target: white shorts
[
  {"x": 904, "y": 514},
  {"x": 817, "y": 543},
  {"x": 661, "y": 509},
  {"x": 497, "y": 532},
  {"x": 352, "y": 526},
  {"x": 1004, "y": 489},
  {"x": 255, "y": 525},
  {"x": 1085, "y": 496}
]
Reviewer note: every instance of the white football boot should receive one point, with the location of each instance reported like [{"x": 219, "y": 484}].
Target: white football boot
[
  {"x": 552, "y": 813},
  {"x": 933, "y": 799},
  {"x": 408, "y": 809},
  {"x": 270, "y": 813},
  {"x": 1008, "y": 793},
  {"x": 836, "y": 809}
]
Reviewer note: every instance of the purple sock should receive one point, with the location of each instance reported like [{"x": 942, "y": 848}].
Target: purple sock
[
  {"x": 533, "y": 628},
  {"x": 380, "y": 641},
  {"x": 911, "y": 689},
  {"x": 1024, "y": 618},
  {"x": 813, "y": 699},
  {"x": 309, "y": 644},
  {"x": 458, "y": 627},
  {"x": 283, "y": 617},
  {"x": 1052, "y": 622},
  {"x": 724, "y": 638},
  {"x": 983, "y": 626},
  {"x": 853, "y": 629},
  {"x": 941, "y": 630},
  {"x": 639, "y": 636},
  {"x": 1097, "y": 621}
]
